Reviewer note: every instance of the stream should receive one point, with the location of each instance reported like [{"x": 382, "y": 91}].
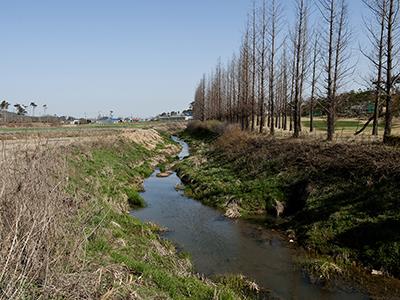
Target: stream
[{"x": 218, "y": 245}]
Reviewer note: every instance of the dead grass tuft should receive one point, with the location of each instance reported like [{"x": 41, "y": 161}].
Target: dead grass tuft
[
  {"x": 149, "y": 138},
  {"x": 34, "y": 214}
]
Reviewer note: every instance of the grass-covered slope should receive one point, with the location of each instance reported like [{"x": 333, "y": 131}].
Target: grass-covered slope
[
  {"x": 342, "y": 200},
  {"x": 130, "y": 258},
  {"x": 66, "y": 232}
]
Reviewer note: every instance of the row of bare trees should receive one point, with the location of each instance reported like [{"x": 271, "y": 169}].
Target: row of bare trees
[{"x": 277, "y": 69}]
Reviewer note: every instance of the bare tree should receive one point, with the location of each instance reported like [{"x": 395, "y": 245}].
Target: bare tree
[
  {"x": 334, "y": 13},
  {"x": 391, "y": 78},
  {"x": 282, "y": 91},
  {"x": 253, "y": 66},
  {"x": 199, "y": 102},
  {"x": 299, "y": 58},
  {"x": 315, "y": 61},
  {"x": 264, "y": 81},
  {"x": 304, "y": 65},
  {"x": 274, "y": 16},
  {"x": 378, "y": 9},
  {"x": 262, "y": 52},
  {"x": 285, "y": 85},
  {"x": 244, "y": 81},
  {"x": 233, "y": 89}
]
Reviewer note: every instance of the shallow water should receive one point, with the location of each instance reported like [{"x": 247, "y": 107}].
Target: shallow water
[{"x": 219, "y": 245}]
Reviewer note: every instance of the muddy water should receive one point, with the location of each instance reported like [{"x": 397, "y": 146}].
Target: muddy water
[{"x": 219, "y": 245}]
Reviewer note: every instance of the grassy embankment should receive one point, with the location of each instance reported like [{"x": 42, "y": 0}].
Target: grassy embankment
[
  {"x": 53, "y": 131},
  {"x": 342, "y": 200},
  {"x": 92, "y": 248}
]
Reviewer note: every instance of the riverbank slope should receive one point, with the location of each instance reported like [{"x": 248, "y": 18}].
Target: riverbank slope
[
  {"x": 67, "y": 233},
  {"x": 339, "y": 201}
]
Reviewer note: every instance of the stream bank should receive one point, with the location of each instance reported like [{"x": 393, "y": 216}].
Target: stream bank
[
  {"x": 340, "y": 201},
  {"x": 219, "y": 246},
  {"x": 123, "y": 257}
]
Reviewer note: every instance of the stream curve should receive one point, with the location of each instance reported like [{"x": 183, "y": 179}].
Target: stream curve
[{"x": 218, "y": 245}]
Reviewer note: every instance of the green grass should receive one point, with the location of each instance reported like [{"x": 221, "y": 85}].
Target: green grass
[
  {"x": 338, "y": 206},
  {"x": 134, "y": 198},
  {"x": 340, "y": 124},
  {"x": 149, "y": 265},
  {"x": 216, "y": 185}
]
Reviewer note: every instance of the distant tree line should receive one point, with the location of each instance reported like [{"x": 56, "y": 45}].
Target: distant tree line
[
  {"x": 21, "y": 109},
  {"x": 280, "y": 68}
]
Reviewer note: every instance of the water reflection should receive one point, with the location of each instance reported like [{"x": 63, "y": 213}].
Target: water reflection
[{"x": 219, "y": 245}]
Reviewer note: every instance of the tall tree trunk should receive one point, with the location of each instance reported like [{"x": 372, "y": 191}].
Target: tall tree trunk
[
  {"x": 262, "y": 51},
  {"x": 378, "y": 91},
  {"x": 389, "y": 72},
  {"x": 313, "y": 83},
  {"x": 254, "y": 69},
  {"x": 274, "y": 19},
  {"x": 330, "y": 98},
  {"x": 298, "y": 72}
]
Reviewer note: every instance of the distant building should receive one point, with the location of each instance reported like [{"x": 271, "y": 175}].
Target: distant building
[
  {"x": 107, "y": 120},
  {"x": 81, "y": 121},
  {"x": 175, "y": 116}
]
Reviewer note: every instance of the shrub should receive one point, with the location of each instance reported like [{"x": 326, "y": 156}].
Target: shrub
[{"x": 206, "y": 130}]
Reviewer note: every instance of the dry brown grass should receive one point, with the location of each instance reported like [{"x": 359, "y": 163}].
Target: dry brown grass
[
  {"x": 35, "y": 221},
  {"x": 362, "y": 157},
  {"x": 149, "y": 138},
  {"x": 83, "y": 132},
  {"x": 44, "y": 230},
  {"x": 62, "y": 133}
]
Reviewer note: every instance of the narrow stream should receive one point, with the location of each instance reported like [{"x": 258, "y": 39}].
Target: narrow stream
[{"x": 219, "y": 245}]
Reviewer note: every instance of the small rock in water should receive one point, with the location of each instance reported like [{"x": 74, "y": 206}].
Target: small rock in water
[
  {"x": 376, "y": 272},
  {"x": 291, "y": 234},
  {"x": 253, "y": 286},
  {"x": 179, "y": 187},
  {"x": 233, "y": 211},
  {"x": 163, "y": 174}
]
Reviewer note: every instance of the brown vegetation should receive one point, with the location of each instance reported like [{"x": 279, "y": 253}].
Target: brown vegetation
[
  {"x": 278, "y": 73},
  {"x": 44, "y": 229},
  {"x": 65, "y": 230},
  {"x": 35, "y": 213}
]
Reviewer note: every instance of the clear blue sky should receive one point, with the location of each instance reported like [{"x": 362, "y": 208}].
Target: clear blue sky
[{"x": 136, "y": 57}]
